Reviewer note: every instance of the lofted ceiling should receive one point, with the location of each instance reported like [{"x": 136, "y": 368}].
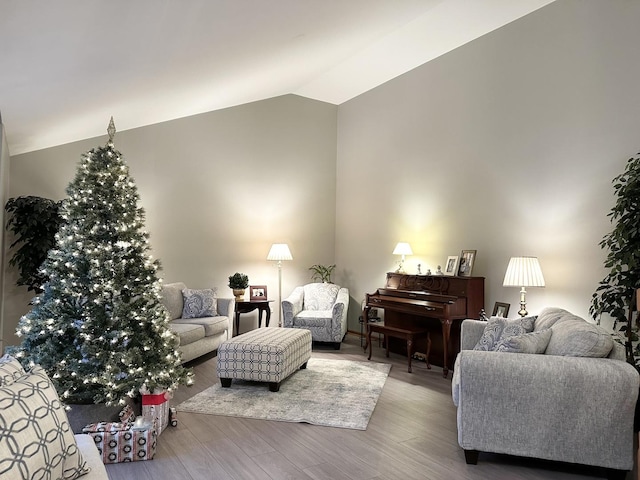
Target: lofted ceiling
[{"x": 67, "y": 66}]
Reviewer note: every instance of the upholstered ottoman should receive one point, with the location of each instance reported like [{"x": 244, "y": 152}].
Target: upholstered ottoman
[{"x": 264, "y": 355}]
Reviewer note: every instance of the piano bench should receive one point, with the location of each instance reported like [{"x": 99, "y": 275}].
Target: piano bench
[{"x": 409, "y": 335}]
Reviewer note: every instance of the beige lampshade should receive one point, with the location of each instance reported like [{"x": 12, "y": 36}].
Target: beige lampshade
[
  {"x": 279, "y": 251},
  {"x": 402, "y": 248},
  {"x": 523, "y": 272}
]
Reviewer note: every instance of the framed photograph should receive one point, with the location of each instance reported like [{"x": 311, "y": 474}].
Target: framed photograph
[
  {"x": 451, "y": 267},
  {"x": 467, "y": 259},
  {"x": 257, "y": 292},
  {"x": 501, "y": 309}
]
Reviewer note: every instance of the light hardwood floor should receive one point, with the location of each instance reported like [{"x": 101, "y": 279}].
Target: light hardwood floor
[{"x": 411, "y": 435}]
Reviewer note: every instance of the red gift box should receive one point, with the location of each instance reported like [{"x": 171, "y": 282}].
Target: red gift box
[{"x": 155, "y": 407}]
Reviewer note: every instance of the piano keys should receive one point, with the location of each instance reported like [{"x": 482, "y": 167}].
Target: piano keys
[{"x": 438, "y": 303}]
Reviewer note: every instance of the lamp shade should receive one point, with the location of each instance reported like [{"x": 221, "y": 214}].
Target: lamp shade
[
  {"x": 402, "y": 248},
  {"x": 523, "y": 272},
  {"x": 279, "y": 251}
]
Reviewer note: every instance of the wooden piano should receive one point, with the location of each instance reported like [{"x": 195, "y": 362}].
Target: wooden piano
[{"x": 436, "y": 302}]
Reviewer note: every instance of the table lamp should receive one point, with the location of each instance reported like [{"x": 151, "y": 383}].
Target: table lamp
[
  {"x": 523, "y": 272},
  {"x": 402, "y": 248},
  {"x": 278, "y": 253}
]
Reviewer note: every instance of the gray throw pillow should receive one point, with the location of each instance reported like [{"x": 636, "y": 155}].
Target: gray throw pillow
[
  {"x": 199, "y": 303},
  {"x": 533, "y": 342},
  {"x": 498, "y": 328}
]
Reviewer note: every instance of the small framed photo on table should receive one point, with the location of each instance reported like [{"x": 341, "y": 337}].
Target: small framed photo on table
[
  {"x": 257, "y": 292},
  {"x": 451, "y": 267},
  {"x": 501, "y": 309},
  {"x": 467, "y": 259}
]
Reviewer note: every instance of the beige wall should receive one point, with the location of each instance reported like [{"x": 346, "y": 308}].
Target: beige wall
[
  {"x": 4, "y": 196},
  {"x": 218, "y": 190},
  {"x": 507, "y": 145}
]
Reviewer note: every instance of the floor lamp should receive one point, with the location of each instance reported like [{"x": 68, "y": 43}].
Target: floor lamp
[{"x": 278, "y": 253}]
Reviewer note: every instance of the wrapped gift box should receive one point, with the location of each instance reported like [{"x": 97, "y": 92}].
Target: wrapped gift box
[
  {"x": 155, "y": 407},
  {"x": 125, "y": 441}
]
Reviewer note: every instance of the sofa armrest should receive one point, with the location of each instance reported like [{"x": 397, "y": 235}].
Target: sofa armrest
[
  {"x": 340, "y": 309},
  {"x": 91, "y": 455},
  {"x": 516, "y": 403},
  {"x": 292, "y": 306},
  {"x": 227, "y": 307},
  {"x": 470, "y": 333}
]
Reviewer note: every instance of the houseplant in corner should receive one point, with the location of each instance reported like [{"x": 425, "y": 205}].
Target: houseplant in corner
[
  {"x": 321, "y": 273},
  {"x": 34, "y": 222},
  {"x": 238, "y": 282},
  {"x": 616, "y": 293}
]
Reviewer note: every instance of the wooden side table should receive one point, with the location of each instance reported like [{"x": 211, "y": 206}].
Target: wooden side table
[
  {"x": 246, "y": 307},
  {"x": 406, "y": 334}
]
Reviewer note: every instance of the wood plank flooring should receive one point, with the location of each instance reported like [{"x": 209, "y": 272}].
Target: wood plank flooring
[{"x": 411, "y": 436}]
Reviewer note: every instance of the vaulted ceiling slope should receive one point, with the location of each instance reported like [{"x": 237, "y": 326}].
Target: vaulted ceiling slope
[{"x": 67, "y": 66}]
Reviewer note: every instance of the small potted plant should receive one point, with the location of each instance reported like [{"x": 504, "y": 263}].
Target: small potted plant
[
  {"x": 322, "y": 273},
  {"x": 238, "y": 282}
]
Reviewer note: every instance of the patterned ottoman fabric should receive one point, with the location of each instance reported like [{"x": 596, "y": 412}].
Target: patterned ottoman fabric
[{"x": 264, "y": 355}]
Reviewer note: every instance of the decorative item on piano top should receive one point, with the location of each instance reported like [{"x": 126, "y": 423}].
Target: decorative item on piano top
[
  {"x": 402, "y": 248},
  {"x": 467, "y": 259},
  {"x": 322, "y": 273},
  {"x": 451, "y": 267}
]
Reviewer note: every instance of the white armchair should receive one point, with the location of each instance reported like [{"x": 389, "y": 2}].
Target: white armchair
[{"x": 320, "y": 308}]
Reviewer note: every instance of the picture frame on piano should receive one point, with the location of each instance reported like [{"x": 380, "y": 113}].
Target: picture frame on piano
[
  {"x": 467, "y": 259},
  {"x": 451, "y": 267}
]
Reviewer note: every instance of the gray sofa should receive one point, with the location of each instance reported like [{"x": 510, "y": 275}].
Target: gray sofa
[
  {"x": 201, "y": 335},
  {"x": 571, "y": 397},
  {"x": 320, "y": 308}
]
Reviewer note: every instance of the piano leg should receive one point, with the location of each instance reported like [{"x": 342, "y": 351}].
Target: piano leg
[
  {"x": 446, "y": 334},
  {"x": 409, "y": 351}
]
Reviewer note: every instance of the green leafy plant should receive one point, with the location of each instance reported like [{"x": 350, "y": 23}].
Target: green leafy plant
[
  {"x": 238, "y": 281},
  {"x": 616, "y": 293},
  {"x": 322, "y": 273},
  {"x": 34, "y": 222}
]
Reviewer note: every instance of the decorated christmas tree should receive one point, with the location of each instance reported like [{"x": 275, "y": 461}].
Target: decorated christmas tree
[{"x": 99, "y": 328}]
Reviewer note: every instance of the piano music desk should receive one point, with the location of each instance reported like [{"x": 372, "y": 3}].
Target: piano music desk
[{"x": 409, "y": 335}]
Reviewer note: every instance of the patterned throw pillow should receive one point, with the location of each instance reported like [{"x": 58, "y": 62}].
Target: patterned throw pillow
[
  {"x": 37, "y": 441},
  {"x": 499, "y": 328},
  {"x": 534, "y": 342},
  {"x": 199, "y": 303},
  {"x": 10, "y": 370}
]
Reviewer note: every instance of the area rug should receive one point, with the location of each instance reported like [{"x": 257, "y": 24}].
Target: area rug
[{"x": 333, "y": 393}]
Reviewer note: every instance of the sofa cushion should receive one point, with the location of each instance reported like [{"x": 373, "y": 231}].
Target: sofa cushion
[
  {"x": 212, "y": 325},
  {"x": 320, "y": 296},
  {"x": 10, "y": 370},
  {"x": 172, "y": 299},
  {"x": 199, "y": 303},
  {"x": 498, "y": 328},
  {"x": 532, "y": 342},
  {"x": 37, "y": 441},
  {"x": 575, "y": 337},
  {"x": 187, "y": 333}
]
